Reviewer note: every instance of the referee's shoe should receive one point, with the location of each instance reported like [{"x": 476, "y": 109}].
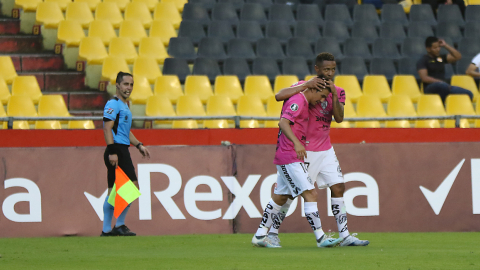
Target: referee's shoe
[{"x": 122, "y": 231}]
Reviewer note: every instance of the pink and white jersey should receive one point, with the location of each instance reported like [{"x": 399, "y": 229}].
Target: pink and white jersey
[
  {"x": 318, "y": 133},
  {"x": 294, "y": 109}
]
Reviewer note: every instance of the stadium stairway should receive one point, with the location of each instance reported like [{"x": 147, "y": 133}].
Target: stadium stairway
[{"x": 29, "y": 58}]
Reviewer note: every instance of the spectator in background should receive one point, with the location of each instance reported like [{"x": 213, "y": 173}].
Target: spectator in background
[
  {"x": 436, "y": 3},
  {"x": 431, "y": 68},
  {"x": 472, "y": 69}
]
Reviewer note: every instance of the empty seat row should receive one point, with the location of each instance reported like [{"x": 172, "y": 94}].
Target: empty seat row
[{"x": 50, "y": 15}]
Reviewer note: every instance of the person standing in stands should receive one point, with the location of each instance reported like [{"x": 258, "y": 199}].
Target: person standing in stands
[
  {"x": 431, "y": 68},
  {"x": 117, "y": 121}
]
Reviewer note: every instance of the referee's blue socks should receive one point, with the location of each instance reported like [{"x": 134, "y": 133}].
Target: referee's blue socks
[
  {"x": 121, "y": 218},
  {"x": 107, "y": 216}
]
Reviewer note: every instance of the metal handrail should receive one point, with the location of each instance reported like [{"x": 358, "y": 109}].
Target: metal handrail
[{"x": 235, "y": 118}]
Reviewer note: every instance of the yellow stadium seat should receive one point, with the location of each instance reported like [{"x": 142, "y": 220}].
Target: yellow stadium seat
[
  {"x": 27, "y": 86},
  {"x": 274, "y": 109},
  {"x": 109, "y": 11},
  {"x": 92, "y": 4},
  {"x": 169, "y": 86},
  {"x": 48, "y": 125},
  {"x": 250, "y": 106},
  {"x": 349, "y": 112},
  {"x": 258, "y": 85},
  {"x": 27, "y": 5},
  {"x": 92, "y": 50},
  {"x": 429, "y": 105},
  {"x": 472, "y": 2},
  {"x": 228, "y": 86},
  {"x": 178, "y": 3},
  {"x": 189, "y": 106},
  {"x": 216, "y": 106},
  {"x": 49, "y": 14},
  {"x": 309, "y": 77},
  {"x": 153, "y": 48},
  {"x": 7, "y": 69},
  {"x": 21, "y": 106},
  {"x": 351, "y": 86},
  {"x": 377, "y": 85},
  {"x": 138, "y": 11},
  {"x": 102, "y": 29},
  {"x": 80, "y": 12},
  {"x": 369, "y": 106},
  {"x": 459, "y": 105},
  {"x": 81, "y": 124},
  {"x": 167, "y": 11},
  {"x": 406, "y": 85},
  {"x": 146, "y": 67},
  {"x": 61, "y": 3},
  {"x": 141, "y": 91},
  {"x": 3, "y": 124},
  {"x": 123, "y": 47},
  {"x": 70, "y": 33},
  {"x": 4, "y": 92},
  {"x": 198, "y": 85},
  {"x": 162, "y": 29},
  {"x": 150, "y": 4},
  {"x": 52, "y": 105},
  {"x": 184, "y": 124},
  {"x": 111, "y": 66},
  {"x": 159, "y": 105},
  {"x": 400, "y": 105},
  {"x": 122, "y": 4},
  {"x": 284, "y": 81},
  {"x": 133, "y": 30},
  {"x": 466, "y": 82}
]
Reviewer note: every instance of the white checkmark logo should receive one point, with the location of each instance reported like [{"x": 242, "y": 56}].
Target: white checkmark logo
[{"x": 437, "y": 198}]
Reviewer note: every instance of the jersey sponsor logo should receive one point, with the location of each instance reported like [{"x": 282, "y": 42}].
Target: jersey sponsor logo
[
  {"x": 324, "y": 104},
  {"x": 294, "y": 107},
  {"x": 110, "y": 110},
  {"x": 324, "y": 119}
]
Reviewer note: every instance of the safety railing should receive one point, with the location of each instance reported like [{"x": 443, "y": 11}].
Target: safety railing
[{"x": 235, "y": 118}]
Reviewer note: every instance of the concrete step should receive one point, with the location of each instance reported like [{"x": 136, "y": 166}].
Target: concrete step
[
  {"x": 87, "y": 100},
  {"x": 59, "y": 80},
  {"x": 9, "y": 26},
  {"x": 20, "y": 44},
  {"x": 47, "y": 61}
]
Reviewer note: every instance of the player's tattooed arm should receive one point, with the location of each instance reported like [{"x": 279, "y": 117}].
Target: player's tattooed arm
[
  {"x": 284, "y": 125},
  {"x": 286, "y": 93},
  {"x": 338, "y": 110}
]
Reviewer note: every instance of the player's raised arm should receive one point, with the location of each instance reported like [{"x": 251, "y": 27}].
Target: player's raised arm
[
  {"x": 314, "y": 83},
  {"x": 284, "y": 125}
]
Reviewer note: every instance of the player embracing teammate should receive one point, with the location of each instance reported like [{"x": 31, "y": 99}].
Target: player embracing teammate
[{"x": 304, "y": 144}]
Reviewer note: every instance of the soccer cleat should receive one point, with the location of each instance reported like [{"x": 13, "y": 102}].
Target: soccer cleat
[
  {"x": 274, "y": 238},
  {"x": 106, "y": 233},
  {"x": 328, "y": 241},
  {"x": 352, "y": 240},
  {"x": 264, "y": 241},
  {"x": 122, "y": 231}
]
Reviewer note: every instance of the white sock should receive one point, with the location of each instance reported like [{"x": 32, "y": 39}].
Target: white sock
[
  {"x": 340, "y": 213},
  {"x": 311, "y": 213},
  {"x": 270, "y": 216},
  {"x": 283, "y": 213}
]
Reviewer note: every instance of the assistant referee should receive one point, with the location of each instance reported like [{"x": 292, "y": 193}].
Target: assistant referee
[{"x": 117, "y": 121}]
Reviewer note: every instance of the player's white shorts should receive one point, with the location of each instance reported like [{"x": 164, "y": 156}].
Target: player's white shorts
[
  {"x": 293, "y": 179},
  {"x": 323, "y": 167}
]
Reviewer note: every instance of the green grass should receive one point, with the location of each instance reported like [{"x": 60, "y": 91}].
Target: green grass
[{"x": 386, "y": 251}]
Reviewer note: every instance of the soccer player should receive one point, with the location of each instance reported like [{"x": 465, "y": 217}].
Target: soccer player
[
  {"x": 117, "y": 120},
  {"x": 321, "y": 161},
  {"x": 292, "y": 176}
]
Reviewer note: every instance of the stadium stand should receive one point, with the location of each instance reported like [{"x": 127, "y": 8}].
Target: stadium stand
[
  {"x": 422, "y": 13},
  {"x": 152, "y": 47},
  {"x": 400, "y": 105},
  {"x": 122, "y": 4},
  {"x": 4, "y": 92},
  {"x": 394, "y": 13},
  {"x": 339, "y": 13},
  {"x": 283, "y": 81},
  {"x": 351, "y": 86},
  {"x": 159, "y": 105},
  {"x": 240, "y": 48},
  {"x": 220, "y": 30},
  {"x": 195, "y": 12},
  {"x": 49, "y": 14},
  {"x": 138, "y": 11},
  {"x": 168, "y": 86},
  {"x": 206, "y": 66},
  {"x": 226, "y": 13},
  {"x": 249, "y": 30},
  {"x": 394, "y": 31},
  {"x": 250, "y": 106},
  {"x": 259, "y": 86},
  {"x": 146, "y": 67},
  {"x": 211, "y": 47},
  {"x": 369, "y": 106},
  {"x": 228, "y": 86},
  {"x": 377, "y": 85},
  {"x": 385, "y": 48},
  {"x": 279, "y": 30},
  {"x": 365, "y": 13},
  {"x": 311, "y": 14},
  {"x": 253, "y": 12},
  {"x": 182, "y": 48},
  {"x": 188, "y": 105},
  {"x": 354, "y": 66},
  {"x": 162, "y": 29},
  {"x": 167, "y": 11},
  {"x": 429, "y": 105},
  {"x": 219, "y": 105},
  {"x": 270, "y": 48},
  {"x": 281, "y": 12},
  {"x": 27, "y": 86},
  {"x": 198, "y": 85},
  {"x": 132, "y": 29},
  {"x": 383, "y": 66},
  {"x": 304, "y": 29},
  {"x": 102, "y": 29},
  {"x": 7, "y": 69},
  {"x": 329, "y": 44},
  {"x": 451, "y": 14},
  {"x": 265, "y": 66},
  {"x": 123, "y": 47},
  {"x": 299, "y": 47},
  {"x": 365, "y": 30},
  {"x": 335, "y": 29},
  {"x": 141, "y": 91},
  {"x": 21, "y": 106},
  {"x": 295, "y": 66},
  {"x": 238, "y": 67},
  {"x": 274, "y": 108},
  {"x": 111, "y": 66},
  {"x": 458, "y": 104},
  {"x": 406, "y": 85},
  {"x": 79, "y": 12}
]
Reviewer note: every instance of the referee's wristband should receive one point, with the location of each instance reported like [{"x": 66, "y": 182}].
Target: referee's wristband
[
  {"x": 112, "y": 150},
  {"x": 138, "y": 145}
]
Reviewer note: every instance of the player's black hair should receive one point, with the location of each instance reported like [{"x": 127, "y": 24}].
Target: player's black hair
[
  {"x": 429, "y": 41},
  {"x": 324, "y": 56},
  {"x": 120, "y": 75}
]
